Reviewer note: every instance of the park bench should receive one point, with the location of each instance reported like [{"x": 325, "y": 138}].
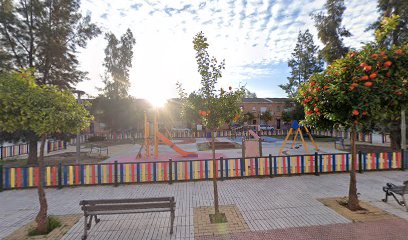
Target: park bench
[
  {"x": 93, "y": 208},
  {"x": 392, "y": 190},
  {"x": 99, "y": 148},
  {"x": 339, "y": 141}
]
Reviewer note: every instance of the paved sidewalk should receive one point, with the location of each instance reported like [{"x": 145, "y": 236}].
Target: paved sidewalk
[
  {"x": 265, "y": 204},
  {"x": 377, "y": 230}
]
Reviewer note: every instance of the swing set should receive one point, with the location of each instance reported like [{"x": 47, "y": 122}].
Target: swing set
[{"x": 296, "y": 129}]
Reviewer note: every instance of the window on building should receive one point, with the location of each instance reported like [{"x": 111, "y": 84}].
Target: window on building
[
  {"x": 263, "y": 109},
  {"x": 253, "y": 109}
]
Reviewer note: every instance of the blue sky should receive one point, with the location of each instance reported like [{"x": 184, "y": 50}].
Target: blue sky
[{"x": 255, "y": 38}]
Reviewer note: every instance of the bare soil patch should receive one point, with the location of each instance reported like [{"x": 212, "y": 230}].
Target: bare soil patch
[
  {"x": 203, "y": 226},
  {"x": 370, "y": 213},
  {"x": 67, "y": 222}
]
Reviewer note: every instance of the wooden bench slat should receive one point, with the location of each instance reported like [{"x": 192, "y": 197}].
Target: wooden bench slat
[
  {"x": 130, "y": 200},
  {"x": 125, "y": 206},
  {"x": 126, "y": 212}
]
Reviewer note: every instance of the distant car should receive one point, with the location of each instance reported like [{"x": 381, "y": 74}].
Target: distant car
[{"x": 266, "y": 127}]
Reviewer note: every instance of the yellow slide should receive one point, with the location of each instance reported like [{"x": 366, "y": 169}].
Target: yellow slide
[{"x": 180, "y": 151}]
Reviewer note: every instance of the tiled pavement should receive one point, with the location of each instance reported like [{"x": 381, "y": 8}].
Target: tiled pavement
[
  {"x": 266, "y": 204},
  {"x": 378, "y": 230}
]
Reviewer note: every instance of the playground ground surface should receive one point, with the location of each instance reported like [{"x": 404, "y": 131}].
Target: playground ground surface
[
  {"x": 127, "y": 152},
  {"x": 271, "y": 146},
  {"x": 266, "y": 208}
]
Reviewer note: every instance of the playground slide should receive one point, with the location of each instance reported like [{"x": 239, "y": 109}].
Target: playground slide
[
  {"x": 180, "y": 151},
  {"x": 253, "y": 134}
]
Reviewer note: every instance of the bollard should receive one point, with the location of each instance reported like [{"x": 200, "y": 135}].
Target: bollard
[
  {"x": 403, "y": 160},
  {"x": 316, "y": 164},
  {"x": 170, "y": 171},
  {"x": 1, "y": 152},
  {"x": 59, "y": 175},
  {"x": 115, "y": 173},
  {"x": 270, "y": 165},
  {"x": 360, "y": 162}
]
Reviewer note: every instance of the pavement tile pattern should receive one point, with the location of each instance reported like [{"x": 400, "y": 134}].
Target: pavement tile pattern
[
  {"x": 375, "y": 230},
  {"x": 265, "y": 204}
]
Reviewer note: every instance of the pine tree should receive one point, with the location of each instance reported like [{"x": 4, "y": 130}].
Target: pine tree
[
  {"x": 304, "y": 63},
  {"x": 44, "y": 35},
  {"x": 330, "y": 30}
]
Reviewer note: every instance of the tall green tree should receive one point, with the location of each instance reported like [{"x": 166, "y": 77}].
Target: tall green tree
[
  {"x": 387, "y": 8},
  {"x": 46, "y": 35},
  {"x": 117, "y": 63},
  {"x": 304, "y": 62},
  {"x": 215, "y": 107},
  {"x": 330, "y": 30},
  {"x": 114, "y": 106},
  {"x": 44, "y": 110}
]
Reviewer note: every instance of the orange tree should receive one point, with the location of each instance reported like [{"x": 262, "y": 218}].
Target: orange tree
[{"x": 354, "y": 91}]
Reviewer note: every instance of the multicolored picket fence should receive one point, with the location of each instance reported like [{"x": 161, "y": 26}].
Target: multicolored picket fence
[
  {"x": 191, "y": 170},
  {"x": 13, "y": 150}
]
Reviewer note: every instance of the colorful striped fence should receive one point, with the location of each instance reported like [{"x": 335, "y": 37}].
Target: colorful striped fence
[
  {"x": 55, "y": 145},
  {"x": 14, "y": 150},
  {"x": 193, "y": 170}
]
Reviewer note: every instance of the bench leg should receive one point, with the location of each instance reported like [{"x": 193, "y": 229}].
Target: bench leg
[
  {"x": 97, "y": 219},
  {"x": 85, "y": 228},
  {"x": 405, "y": 202},
  {"x": 89, "y": 224},
  {"x": 386, "y": 196},
  {"x": 388, "y": 193},
  {"x": 172, "y": 216}
]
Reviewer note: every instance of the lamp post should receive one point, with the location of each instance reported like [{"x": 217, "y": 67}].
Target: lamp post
[{"x": 78, "y": 144}]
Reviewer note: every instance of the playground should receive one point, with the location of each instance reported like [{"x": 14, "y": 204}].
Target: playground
[{"x": 245, "y": 143}]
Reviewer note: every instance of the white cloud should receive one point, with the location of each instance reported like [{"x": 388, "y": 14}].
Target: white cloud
[{"x": 164, "y": 32}]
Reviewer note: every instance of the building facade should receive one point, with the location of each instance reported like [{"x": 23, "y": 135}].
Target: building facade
[{"x": 274, "y": 107}]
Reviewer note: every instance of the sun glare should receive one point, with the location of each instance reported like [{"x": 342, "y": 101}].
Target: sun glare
[{"x": 157, "y": 101}]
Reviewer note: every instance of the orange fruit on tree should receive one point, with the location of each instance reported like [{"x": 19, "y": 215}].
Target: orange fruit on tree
[
  {"x": 387, "y": 64},
  {"x": 356, "y": 112},
  {"x": 373, "y": 75},
  {"x": 399, "y": 51},
  {"x": 364, "y": 78},
  {"x": 367, "y": 68},
  {"x": 374, "y": 56},
  {"x": 364, "y": 113},
  {"x": 385, "y": 57},
  {"x": 316, "y": 109},
  {"x": 368, "y": 84}
]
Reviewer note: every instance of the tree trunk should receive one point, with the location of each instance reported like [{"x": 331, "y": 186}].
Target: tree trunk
[
  {"x": 353, "y": 203},
  {"x": 42, "y": 219},
  {"x": 32, "y": 153},
  {"x": 216, "y": 205},
  {"x": 395, "y": 135}
]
